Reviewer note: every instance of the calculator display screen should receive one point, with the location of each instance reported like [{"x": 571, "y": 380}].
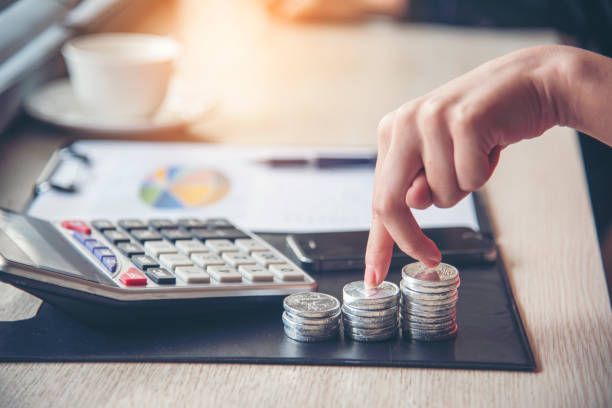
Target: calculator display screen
[{"x": 36, "y": 243}]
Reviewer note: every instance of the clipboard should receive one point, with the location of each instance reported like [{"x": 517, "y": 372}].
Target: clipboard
[
  {"x": 491, "y": 333},
  {"x": 136, "y": 179}
]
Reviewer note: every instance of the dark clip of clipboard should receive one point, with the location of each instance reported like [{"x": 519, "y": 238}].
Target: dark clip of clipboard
[{"x": 65, "y": 172}]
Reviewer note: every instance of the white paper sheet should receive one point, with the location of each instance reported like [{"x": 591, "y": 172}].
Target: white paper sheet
[{"x": 259, "y": 198}]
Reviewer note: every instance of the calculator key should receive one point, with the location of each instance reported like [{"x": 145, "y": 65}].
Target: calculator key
[
  {"x": 160, "y": 276},
  {"x": 221, "y": 245},
  {"x": 190, "y": 246},
  {"x": 81, "y": 237},
  {"x": 101, "y": 252},
  {"x": 250, "y": 245},
  {"x": 146, "y": 235},
  {"x": 256, "y": 273},
  {"x": 110, "y": 262},
  {"x": 160, "y": 223},
  {"x": 144, "y": 261},
  {"x": 286, "y": 272},
  {"x": 171, "y": 261},
  {"x": 204, "y": 233},
  {"x": 78, "y": 226},
  {"x": 116, "y": 237},
  {"x": 102, "y": 225},
  {"x": 156, "y": 248},
  {"x": 238, "y": 258},
  {"x": 133, "y": 277},
  {"x": 132, "y": 224},
  {"x": 224, "y": 274},
  {"x": 175, "y": 234},
  {"x": 218, "y": 223},
  {"x": 267, "y": 258},
  {"x": 192, "y": 274},
  {"x": 93, "y": 244},
  {"x": 231, "y": 233},
  {"x": 191, "y": 223},
  {"x": 130, "y": 249},
  {"x": 206, "y": 259}
]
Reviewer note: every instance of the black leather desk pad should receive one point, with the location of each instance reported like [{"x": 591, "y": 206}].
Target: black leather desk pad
[{"x": 490, "y": 335}]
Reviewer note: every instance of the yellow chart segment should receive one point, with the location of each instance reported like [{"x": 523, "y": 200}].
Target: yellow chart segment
[{"x": 175, "y": 187}]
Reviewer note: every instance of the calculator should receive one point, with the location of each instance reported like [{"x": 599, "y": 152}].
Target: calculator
[{"x": 134, "y": 265}]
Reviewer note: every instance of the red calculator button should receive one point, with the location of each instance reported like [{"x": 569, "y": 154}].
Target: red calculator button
[
  {"x": 133, "y": 277},
  {"x": 78, "y": 226}
]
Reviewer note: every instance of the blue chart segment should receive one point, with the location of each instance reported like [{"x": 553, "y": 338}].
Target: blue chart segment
[{"x": 176, "y": 187}]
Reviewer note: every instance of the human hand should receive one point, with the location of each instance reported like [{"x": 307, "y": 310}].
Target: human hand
[
  {"x": 437, "y": 148},
  {"x": 334, "y": 9}
]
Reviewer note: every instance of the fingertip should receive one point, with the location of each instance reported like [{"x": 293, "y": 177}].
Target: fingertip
[
  {"x": 435, "y": 256},
  {"x": 369, "y": 278}
]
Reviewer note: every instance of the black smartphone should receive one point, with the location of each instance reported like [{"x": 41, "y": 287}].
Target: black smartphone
[{"x": 333, "y": 251}]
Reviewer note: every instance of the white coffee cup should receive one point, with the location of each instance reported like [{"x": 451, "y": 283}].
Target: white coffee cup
[{"x": 121, "y": 74}]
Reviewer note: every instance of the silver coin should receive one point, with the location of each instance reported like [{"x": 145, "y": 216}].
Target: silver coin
[
  {"x": 346, "y": 309},
  {"x": 322, "y": 321},
  {"x": 438, "y": 302},
  {"x": 314, "y": 333},
  {"x": 309, "y": 327},
  {"x": 438, "y": 314},
  {"x": 415, "y": 287},
  {"x": 419, "y": 336},
  {"x": 380, "y": 337},
  {"x": 369, "y": 332},
  {"x": 439, "y": 318},
  {"x": 408, "y": 325},
  {"x": 311, "y": 304},
  {"x": 297, "y": 336},
  {"x": 368, "y": 322},
  {"x": 431, "y": 331},
  {"x": 413, "y": 294},
  {"x": 420, "y": 319},
  {"x": 428, "y": 307},
  {"x": 356, "y": 295},
  {"x": 441, "y": 275}
]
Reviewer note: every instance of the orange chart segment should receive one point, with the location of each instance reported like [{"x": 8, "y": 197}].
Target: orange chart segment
[{"x": 176, "y": 187}]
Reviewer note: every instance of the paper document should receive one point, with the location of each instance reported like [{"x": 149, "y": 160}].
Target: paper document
[{"x": 175, "y": 180}]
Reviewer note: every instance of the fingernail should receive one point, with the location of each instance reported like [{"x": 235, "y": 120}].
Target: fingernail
[
  {"x": 369, "y": 279},
  {"x": 431, "y": 262}
]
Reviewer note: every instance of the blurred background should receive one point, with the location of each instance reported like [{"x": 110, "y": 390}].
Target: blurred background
[{"x": 281, "y": 71}]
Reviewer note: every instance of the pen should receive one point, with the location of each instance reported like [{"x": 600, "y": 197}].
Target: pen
[{"x": 322, "y": 162}]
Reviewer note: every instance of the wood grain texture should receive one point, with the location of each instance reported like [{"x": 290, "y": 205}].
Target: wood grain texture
[{"x": 329, "y": 85}]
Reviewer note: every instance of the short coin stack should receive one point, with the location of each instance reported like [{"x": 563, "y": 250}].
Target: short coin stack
[
  {"x": 370, "y": 314},
  {"x": 311, "y": 316},
  {"x": 429, "y": 299}
]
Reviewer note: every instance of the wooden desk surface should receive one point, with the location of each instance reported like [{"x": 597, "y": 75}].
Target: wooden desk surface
[{"x": 274, "y": 82}]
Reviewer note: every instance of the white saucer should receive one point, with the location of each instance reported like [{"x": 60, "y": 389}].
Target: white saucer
[{"x": 56, "y": 103}]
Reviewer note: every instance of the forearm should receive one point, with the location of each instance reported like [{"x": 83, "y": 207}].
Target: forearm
[{"x": 580, "y": 91}]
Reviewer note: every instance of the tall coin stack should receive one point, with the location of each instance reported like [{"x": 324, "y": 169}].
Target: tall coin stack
[
  {"x": 311, "y": 316},
  {"x": 429, "y": 300},
  {"x": 370, "y": 314}
]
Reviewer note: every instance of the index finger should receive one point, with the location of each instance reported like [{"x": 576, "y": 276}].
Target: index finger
[{"x": 402, "y": 164}]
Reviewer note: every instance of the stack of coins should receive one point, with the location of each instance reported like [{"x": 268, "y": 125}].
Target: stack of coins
[
  {"x": 429, "y": 299},
  {"x": 311, "y": 316},
  {"x": 370, "y": 314}
]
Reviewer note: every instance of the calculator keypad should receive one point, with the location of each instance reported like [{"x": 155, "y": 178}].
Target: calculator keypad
[{"x": 182, "y": 253}]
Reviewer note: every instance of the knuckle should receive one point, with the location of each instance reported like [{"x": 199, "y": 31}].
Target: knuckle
[
  {"x": 464, "y": 121},
  {"x": 384, "y": 205},
  {"x": 471, "y": 183},
  {"x": 446, "y": 200},
  {"x": 432, "y": 113},
  {"x": 408, "y": 113},
  {"x": 384, "y": 129}
]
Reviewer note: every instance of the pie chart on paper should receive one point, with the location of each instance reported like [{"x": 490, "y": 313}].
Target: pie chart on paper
[{"x": 176, "y": 187}]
